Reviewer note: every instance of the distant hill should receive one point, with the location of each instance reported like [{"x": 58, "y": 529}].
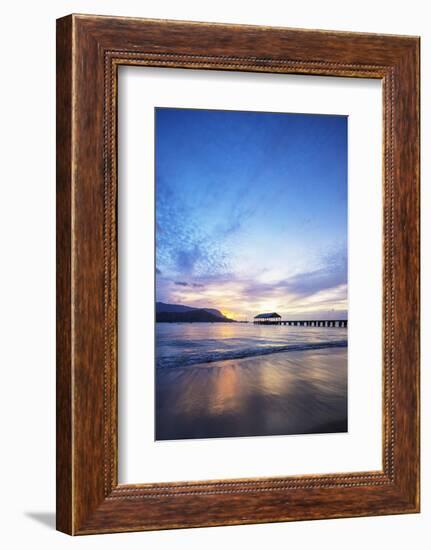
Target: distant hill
[
  {"x": 172, "y": 308},
  {"x": 216, "y": 312},
  {"x": 176, "y": 313}
]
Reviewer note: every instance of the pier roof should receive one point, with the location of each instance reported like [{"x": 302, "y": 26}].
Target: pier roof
[{"x": 272, "y": 315}]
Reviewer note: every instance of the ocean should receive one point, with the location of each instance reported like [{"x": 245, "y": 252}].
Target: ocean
[
  {"x": 243, "y": 380},
  {"x": 187, "y": 344}
]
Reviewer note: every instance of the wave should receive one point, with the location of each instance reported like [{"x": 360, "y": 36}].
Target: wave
[{"x": 214, "y": 356}]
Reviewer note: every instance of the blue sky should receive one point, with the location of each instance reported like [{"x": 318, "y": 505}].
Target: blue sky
[{"x": 251, "y": 212}]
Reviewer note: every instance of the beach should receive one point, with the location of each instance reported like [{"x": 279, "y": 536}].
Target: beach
[{"x": 301, "y": 391}]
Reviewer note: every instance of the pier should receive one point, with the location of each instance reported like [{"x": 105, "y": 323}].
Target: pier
[
  {"x": 340, "y": 323},
  {"x": 275, "y": 319}
]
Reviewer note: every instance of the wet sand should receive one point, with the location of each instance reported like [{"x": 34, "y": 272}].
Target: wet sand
[{"x": 297, "y": 392}]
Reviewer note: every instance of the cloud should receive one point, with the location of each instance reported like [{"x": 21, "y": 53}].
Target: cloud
[
  {"x": 184, "y": 283},
  {"x": 244, "y": 297},
  {"x": 307, "y": 284},
  {"x": 186, "y": 259},
  {"x": 307, "y": 292},
  {"x": 331, "y": 274},
  {"x": 183, "y": 244}
]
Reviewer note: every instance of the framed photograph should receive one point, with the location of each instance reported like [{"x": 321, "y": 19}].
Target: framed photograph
[{"x": 237, "y": 274}]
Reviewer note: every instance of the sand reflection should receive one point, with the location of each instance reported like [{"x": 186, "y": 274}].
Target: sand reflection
[{"x": 283, "y": 393}]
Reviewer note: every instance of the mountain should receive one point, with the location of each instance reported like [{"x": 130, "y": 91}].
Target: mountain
[
  {"x": 172, "y": 308},
  {"x": 215, "y": 312},
  {"x": 176, "y": 313}
]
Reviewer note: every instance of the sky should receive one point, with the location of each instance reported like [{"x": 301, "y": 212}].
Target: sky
[{"x": 251, "y": 212}]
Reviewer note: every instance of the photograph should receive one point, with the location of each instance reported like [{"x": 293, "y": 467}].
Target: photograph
[{"x": 251, "y": 276}]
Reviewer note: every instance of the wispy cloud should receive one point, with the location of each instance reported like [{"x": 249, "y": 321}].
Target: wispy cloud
[
  {"x": 185, "y": 247},
  {"x": 319, "y": 292},
  {"x": 332, "y": 274},
  {"x": 184, "y": 283}
]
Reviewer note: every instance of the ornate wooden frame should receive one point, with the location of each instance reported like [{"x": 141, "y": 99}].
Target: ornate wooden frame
[{"x": 89, "y": 51}]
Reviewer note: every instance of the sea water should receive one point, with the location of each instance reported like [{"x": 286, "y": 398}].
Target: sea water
[{"x": 187, "y": 344}]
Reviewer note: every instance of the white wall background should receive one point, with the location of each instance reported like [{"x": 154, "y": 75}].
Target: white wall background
[{"x": 27, "y": 299}]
